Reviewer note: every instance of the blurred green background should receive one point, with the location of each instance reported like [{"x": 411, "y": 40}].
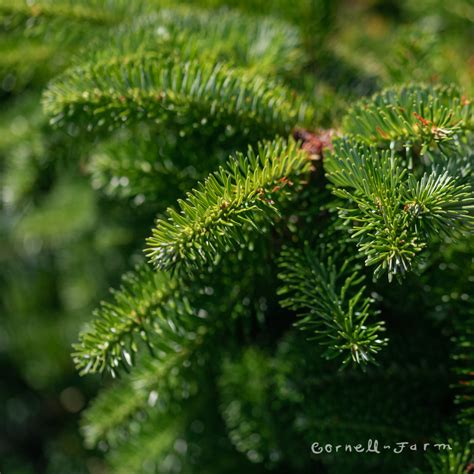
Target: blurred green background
[{"x": 64, "y": 243}]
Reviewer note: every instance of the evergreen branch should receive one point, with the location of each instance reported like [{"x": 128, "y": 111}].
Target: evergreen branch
[
  {"x": 410, "y": 115},
  {"x": 364, "y": 169},
  {"x": 183, "y": 350},
  {"x": 183, "y": 440},
  {"x": 153, "y": 446},
  {"x": 440, "y": 203},
  {"x": 267, "y": 44},
  {"x": 371, "y": 184},
  {"x": 156, "y": 308},
  {"x": 393, "y": 214},
  {"x": 333, "y": 303},
  {"x": 457, "y": 159},
  {"x": 145, "y": 304},
  {"x": 153, "y": 385},
  {"x": 218, "y": 214},
  {"x": 246, "y": 392},
  {"x": 184, "y": 94}
]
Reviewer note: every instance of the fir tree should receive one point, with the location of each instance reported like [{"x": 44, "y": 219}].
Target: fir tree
[{"x": 294, "y": 228}]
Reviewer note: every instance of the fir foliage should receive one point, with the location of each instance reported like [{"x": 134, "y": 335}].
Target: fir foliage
[
  {"x": 393, "y": 214},
  {"x": 187, "y": 95},
  {"x": 113, "y": 338},
  {"x": 329, "y": 291},
  {"x": 272, "y": 160},
  {"x": 410, "y": 115},
  {"x": 217, "y": 215}
]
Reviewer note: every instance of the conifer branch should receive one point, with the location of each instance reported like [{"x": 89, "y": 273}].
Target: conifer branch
[
  {"x": 332, "y": 303},
  {"x": 152, "y": 386},
  {"x": 183, "y": 94},
  {"x": 152, "y": 446},
  {"x": 219, "y": 213},
  {"x": 267, "y": 44},
  {"x": 410, "y": 115},
  {"x": 440, "y": 203},
  {"x": 393, "y": 214},
  {"x": 145, "y": 304}
]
